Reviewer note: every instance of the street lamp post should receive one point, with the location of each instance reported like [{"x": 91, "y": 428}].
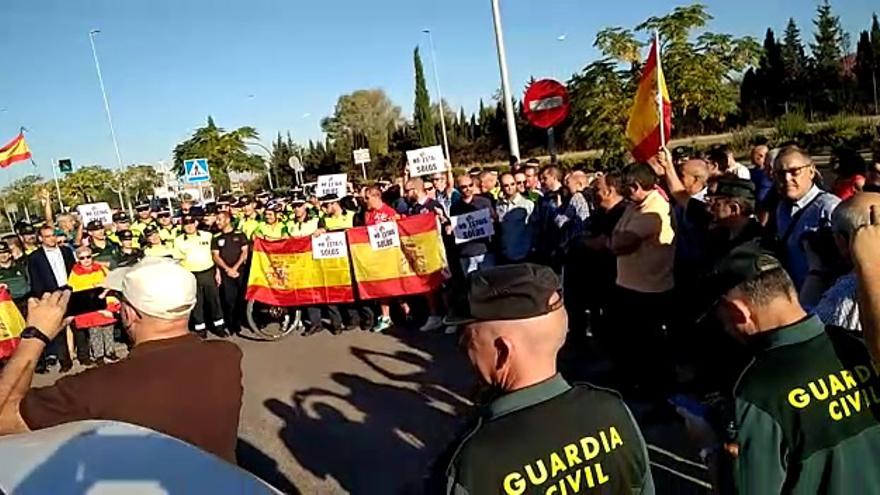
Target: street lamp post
[
  {"x": 505, "y": 81},
  {"x": 268, "y": 161},
  {"x": 92, "y": 34},
  {"x": 439, "y": 94}
]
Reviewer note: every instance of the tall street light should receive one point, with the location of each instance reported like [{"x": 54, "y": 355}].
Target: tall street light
[
  {"x": 92, "y": 34},
  {"x": 505, "y": 81},
  {"x": 439, "y": 94}
]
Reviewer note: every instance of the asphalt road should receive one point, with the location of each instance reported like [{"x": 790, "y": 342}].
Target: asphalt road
[{"x": 366, "y": 414}]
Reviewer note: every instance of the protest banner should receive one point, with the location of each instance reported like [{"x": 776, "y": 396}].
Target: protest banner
[
  {"x": 426, "y": 161},
  {"x": 417, "y": 265},
  {"x": 95, "y": 211},
  {"x": 329, "y": 246},
  {"x": 285, "y": 273},
  {"x": 384, "y": 235},
  {"x": 474, "y": 225},
  {"x": 332, "y": 184}
]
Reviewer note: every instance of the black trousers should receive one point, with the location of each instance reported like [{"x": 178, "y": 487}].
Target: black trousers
[
  {"x": 232, "y": 300},
  {"x": 58, "y": 349},
  {"x": 207, "y": 309}
]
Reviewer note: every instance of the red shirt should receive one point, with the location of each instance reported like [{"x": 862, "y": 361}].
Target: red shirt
[{"x": 383, "y": 214}]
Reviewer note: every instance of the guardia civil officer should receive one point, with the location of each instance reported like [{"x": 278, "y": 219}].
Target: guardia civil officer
[
  {"x": 807, "y": 406},
  {"x": 541, "y": 434},
  {"x": 195, "y": 248}
]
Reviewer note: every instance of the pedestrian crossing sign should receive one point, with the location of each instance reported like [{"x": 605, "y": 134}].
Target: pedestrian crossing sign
[{"x": 196, "y": 171}]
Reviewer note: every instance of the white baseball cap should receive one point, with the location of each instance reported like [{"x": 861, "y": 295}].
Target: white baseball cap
[{"x": 157, "y": 287}]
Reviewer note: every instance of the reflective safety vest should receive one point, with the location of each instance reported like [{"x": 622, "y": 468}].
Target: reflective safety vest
[
  {"x": 302, "y": 229},
  {"x": 138, "y": 227},
  {"x": 249, "y": 226},
  {"x": 271, "y": 232},
  {"x": 161, "y": 251},
  {"x": 168, "y": 234},
  {"x": 339, "y": 222},
  {"x": 196, "y": 251}
]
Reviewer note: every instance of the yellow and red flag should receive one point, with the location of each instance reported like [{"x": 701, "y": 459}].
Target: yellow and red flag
[
  {"x": 286, "y": 273},
  {"x": 414, "y": 265},
  {"x": 645, "y": 130},
  {"x": 11, "y": 324},
  {"x": 14, "y": 151}
]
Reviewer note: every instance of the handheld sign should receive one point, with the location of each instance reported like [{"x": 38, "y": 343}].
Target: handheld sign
[
  {"x": 473, "y": 225},
  {"x": 332, "y": 184},
  {"x": 328, "y": 246},
  {"x": 196, "y": 171},
  {"x": 546, "y": 103},
  {"x": 384, "y": 235},
  {"x": 95, "y": 211},
  {"x": 426, "y": 161},
  {"x": 361, "y": 156}
]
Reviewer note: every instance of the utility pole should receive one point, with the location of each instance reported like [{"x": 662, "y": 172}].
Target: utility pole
[
  {"x": 505, "y": 81},
  {"x": 439, "y": 94}
]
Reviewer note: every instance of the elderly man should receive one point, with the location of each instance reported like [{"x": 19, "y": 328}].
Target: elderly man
[
  {"x": 489, "y": 185},
  {"x": 760, "y": 175},
  {"x": 171, "y": 381},
  {"x": 803, "y": 208},
  {"x": 806, "y": 416},
  {"x": 838, "y": 304},
  {"x": 541, "y": 432},
  {"x": 514, "y": 214}
]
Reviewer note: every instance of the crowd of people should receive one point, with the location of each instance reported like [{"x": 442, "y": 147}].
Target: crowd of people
[{"x": 662, "y": 266}]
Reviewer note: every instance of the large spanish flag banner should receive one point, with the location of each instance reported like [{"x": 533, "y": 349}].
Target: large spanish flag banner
[
  {"x": 11, "y": 324},
  {"x": 14, "y": 151},
  {"x": 644, "y": 127},
  {"x": 405, "y": 260},
  {"x": 287, "y": 273}
]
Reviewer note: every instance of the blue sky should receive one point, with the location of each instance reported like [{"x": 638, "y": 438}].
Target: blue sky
[{"x": 281, "y": 64}]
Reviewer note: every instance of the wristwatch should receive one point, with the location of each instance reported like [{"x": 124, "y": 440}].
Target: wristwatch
[{"x": 35, "y": 333}]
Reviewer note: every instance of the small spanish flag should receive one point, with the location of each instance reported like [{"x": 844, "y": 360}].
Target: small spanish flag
[
  {"x": 414, "y": 265},
  {"x": 286, "y": 273},
  {"x": 14, "y": 151},
  {"x": 11, "y": 324},
  {"x": 645, "y": 127}
]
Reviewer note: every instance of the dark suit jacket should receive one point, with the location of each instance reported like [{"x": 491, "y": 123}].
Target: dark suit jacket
[{"x": 40, "y": 271}]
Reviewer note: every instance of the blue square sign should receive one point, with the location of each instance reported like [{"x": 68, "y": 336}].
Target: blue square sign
[{"x": 196, "y": 171}]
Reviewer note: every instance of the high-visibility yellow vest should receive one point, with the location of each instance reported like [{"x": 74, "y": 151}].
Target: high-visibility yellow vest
[{"x": 195, "y": 250}]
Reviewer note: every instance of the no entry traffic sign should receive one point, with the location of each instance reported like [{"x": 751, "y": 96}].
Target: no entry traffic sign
[{"x": 546, "y": 103}]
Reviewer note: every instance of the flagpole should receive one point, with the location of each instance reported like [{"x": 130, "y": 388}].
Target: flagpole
[{"x": 659, "y": 71}]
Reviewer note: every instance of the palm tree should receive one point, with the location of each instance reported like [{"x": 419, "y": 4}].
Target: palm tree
[{"x": 225, "y": 151}]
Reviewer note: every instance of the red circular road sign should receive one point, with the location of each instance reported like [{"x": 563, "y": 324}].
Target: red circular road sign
[{"x": 546, "y": 103}]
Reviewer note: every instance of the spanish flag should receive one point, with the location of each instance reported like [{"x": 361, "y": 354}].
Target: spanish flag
[
  {"x": 285, "y": 273},
  {"x": 644, "y": 127},
  {"x": 14, "y": 151},
  {"x": 415, "y": 266},
  {"x": 11, "y": 324}
]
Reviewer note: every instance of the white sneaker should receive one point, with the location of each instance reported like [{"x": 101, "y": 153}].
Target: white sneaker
[
  {"x": 433, "y": 323},
  {"x": 451, "y": 330}
]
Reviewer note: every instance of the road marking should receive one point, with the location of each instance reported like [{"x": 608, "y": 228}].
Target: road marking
[
  {"x": 697, "y": 481},
  {"x": 678, "y": 458}
]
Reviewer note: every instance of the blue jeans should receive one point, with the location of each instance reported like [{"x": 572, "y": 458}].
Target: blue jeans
[{"x": 474, "y": 263}]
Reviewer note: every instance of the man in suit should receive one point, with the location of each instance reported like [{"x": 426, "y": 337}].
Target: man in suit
[{"x": 48, "y": 268}]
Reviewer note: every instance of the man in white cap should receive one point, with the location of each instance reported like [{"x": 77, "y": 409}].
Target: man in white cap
[{"x": 172, "y": 381}]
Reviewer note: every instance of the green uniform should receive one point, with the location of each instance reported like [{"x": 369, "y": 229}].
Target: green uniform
[
  {"x": 273, "y": 232},
  {"x": 15, "y": 278},
  {"x": 135, "y": 240},
  {"x": 339, "y": 222},
  {"x": 109, "y": 254},
  {"x": 807, "y": 410},
  {"x": 550, "y": 438},
  {"x": 302, "y": 229}
]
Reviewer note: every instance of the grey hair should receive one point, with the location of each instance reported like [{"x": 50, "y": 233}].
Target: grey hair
[{"x": 82, "y": 249}]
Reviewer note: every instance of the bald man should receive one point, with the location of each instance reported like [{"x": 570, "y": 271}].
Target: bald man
[
  {"x": 838, "y": 305},
  {"x": 541, "y": 432}
]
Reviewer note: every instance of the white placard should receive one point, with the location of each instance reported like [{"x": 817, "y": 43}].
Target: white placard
[
  {"x": 95, "y": 211},
  {"x": 384, "y": 235},
  {"x": 361, "y": 156},
  {"x": 332, "y": 184},
  {"x": 473, "y": 225},
  {"x": 328, "y": 246},
  {"x": 426, "y": 161}
]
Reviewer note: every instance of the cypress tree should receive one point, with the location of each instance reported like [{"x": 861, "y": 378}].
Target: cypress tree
[
  {"x": 422, "y": 118},
  {"x": 827, "y": 50}
]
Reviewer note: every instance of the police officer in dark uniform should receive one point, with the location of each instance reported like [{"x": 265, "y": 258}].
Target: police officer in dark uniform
[
  {"x": 230, "y": 250},
  {"x": 807, "y": 407},
  {"x": 541, "y": 434}
]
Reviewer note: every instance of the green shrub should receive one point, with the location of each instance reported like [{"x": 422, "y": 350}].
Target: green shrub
[
  {"x": 742, "y": 139},
  {"x": 791, "y": 127}
]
